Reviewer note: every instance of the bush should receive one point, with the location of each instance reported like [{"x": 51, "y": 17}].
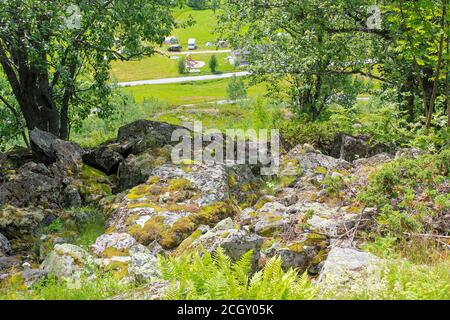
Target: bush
[
  {"x": 182, "y": 65},
  {"x": 236, "y": 89},
  {"x": 213, "y": 63}
]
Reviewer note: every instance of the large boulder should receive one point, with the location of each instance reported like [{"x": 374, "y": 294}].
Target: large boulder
[
  {"x": 48, "y": 149},
  {"x": 32, "y": 185},
  {"x": 351, "y": 148},
  {"x": 142, "y": 136},
  {"x": 173, "y": 202},
  {"x": 15, "y": 220},
  {"x": 68, "y": 262},
  {"x": 120, "y": 254},
  {"x": 350, "y": 269}
]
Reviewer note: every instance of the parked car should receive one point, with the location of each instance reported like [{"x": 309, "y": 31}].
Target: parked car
[
  {"x": 192, "y": 44},
  {"x": 175, "y": 48}
]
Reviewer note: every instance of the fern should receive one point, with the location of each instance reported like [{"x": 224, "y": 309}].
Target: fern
[{"x": 217, "y": 277}]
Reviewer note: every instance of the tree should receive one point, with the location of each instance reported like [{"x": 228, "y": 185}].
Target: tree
[
  {"x": 289, "y": 42},
  {"x": 236, "y": 89},
  {"x": 56, "y": 55},
  {"x": 213, "y": 63}
]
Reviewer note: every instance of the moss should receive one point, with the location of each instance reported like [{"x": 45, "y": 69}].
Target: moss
[
  {"x": 180, "y": 184},
  {"x": 118, "y": 269},
  {"x": 151, "y": 230},
  {"x": 114, "y": 252},
  {"x": 232, "y": 181},
  {"x": 153, "y": 180},
  {"x": 320, "y": 257},
  {"x": 296, "y": 247},
  {"x": 187, "y": 242},
  {"x": 321, "y": 170},
  {"x": 261, "y": 202},
  {"x": 95, "y": 184}
]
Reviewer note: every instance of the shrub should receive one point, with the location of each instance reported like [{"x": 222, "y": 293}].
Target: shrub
[
  {"x": 236, "y": 89},
  {"x": 213, "y": 64},
  {"x": 182, "y": 65}
]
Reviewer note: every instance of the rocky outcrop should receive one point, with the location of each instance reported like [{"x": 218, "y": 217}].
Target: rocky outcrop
[{"x": 351, "y": 148}]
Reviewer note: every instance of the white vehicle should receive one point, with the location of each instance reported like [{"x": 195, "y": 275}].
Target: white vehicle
[{"x": 192, "y": 44}]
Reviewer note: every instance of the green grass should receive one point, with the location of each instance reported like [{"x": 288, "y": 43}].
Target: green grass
[
  {"x": 188, "y": 92},
  {"x": 161, "y": 66},
  {"x": 202, "y": 30}
]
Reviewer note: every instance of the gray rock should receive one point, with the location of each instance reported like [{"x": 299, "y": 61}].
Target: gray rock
[
  {"x": 33, "y": 276},
  {"x": 347, "y": 268},
  {"x": 412, "y": 153},
  {"x": 8, "y": 262},
  {"x": 68, "y": 262},
  {"x": 49, "y": 149},
  {"x": 143, "y": 265},
  {"x": 105, "y": 158},
  {"x": 119, "y": 241},
  {"x": 310, "y": 162},
  {"x": 71, "y": 197},
  {"x": 351, "y": 148},
  {"x": 5, "y": 246}
]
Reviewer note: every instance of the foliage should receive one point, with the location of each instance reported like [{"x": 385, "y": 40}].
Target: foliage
[
  {"x": 101, "y": 287},
  {"x": 213, "y": 63},
  {"x": 216, "y": 277},
  {"x": 408, "y": 192},
  {"x": 236, "y": 89},
  {"x": 66, "y": 52}
]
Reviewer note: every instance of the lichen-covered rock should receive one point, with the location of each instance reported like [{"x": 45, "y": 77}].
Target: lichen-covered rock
[
  {"x": 233, "y": 241},
  {"x": 5, "y": 246},
  {"x": 93, "y": 184},
  {"x": 118, "y": 241},
  {"x": 306, "y": 253},
  {"x": 268, "y": 218},
  {"x": 136, "y": 169},
  {"x": 351, "y": 148},
  {"x": 68, "y": 262},
  {"x": 21, "y": 220},
  {"x": 32, "y": 185},
  {"x": 347, "y": 269},
  {"x": 312, "y": 163},
  {"x": 175, "y": 200}
]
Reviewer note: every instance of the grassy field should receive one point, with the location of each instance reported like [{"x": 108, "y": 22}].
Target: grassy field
[
  {"x": 202, "y": 30},
  {"x": 188, "y": 92},
  {"x": 160, "y": 66}
]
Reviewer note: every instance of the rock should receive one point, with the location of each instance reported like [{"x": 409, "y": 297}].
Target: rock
[
  {"x": 350, "y": 269},
  {"x": 233, "y": 241},
  {"x": 71, "y": 197},
  {"x": 269, "y": 220},
  {"x": 143, "y": 265},
  {"x": 412, "y": 153},
  {"x": 137, "y": 169},
  {"x": 32, "y": 185},
  {"x": 174, "y": 201},
  {"x": 373, "y": 161},
  {"x": 5, "y": 246},
  {"x": 22, "y": 220},
  {"x": 9, "y": 262},
  {"x": 350, "y": 148},
  {"x": 311, "y": 163},
  {"x": 32, "y": 276},
  {"x": 303, "y": 254},
  {"x": 68, "y": 262},
  {"x": 118, "y": 241},
  {"x": 105, "y": 158},
  {"x": 48, "y": 149}
]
